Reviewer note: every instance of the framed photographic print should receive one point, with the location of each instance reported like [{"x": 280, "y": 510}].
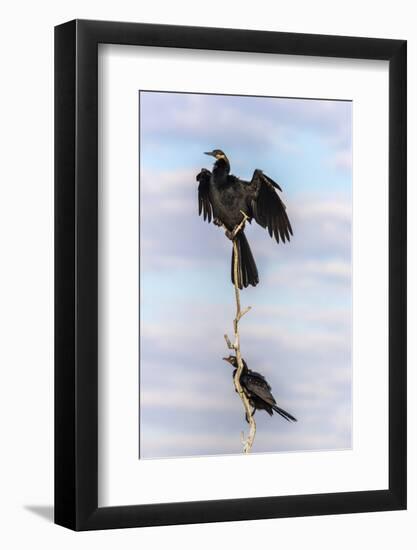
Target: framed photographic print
[{"x": 230, "y": 252}]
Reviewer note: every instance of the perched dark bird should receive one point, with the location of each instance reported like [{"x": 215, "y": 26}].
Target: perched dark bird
[
  {"x": 227, "y": 200},
  {"x": 257, "y": 390}
]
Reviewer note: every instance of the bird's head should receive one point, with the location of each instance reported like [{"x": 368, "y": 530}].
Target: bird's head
[
  {"x": 231, "y": 360},
  {"x": 217, "y": 154}
]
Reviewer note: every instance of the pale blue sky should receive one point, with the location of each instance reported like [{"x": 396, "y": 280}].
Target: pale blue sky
[{"x": 299, "y": 331}]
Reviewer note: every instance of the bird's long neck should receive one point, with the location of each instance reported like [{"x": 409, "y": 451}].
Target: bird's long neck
[{"x": 221, "y": 168}]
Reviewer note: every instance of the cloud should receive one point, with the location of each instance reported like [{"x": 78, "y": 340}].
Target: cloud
[
  {"x": 327, "y": 317},
  {"x": 187, "y": 389},
  {"x": 163, "y": 445},
  {"x": 337, "y": 210},
  {"x": 311, "y": 273},
  {"x": 243, "y": 121},
  {"x": 343, "y": 159},
  {"x": 201, "y": 400},
  {"x": 298, "y": 333},
  {"x": 189, "y": 116},
  {"x": 319, "y": 248},
  {"x": 180, "y": 336},
  {"x": 169, "y": 200}
]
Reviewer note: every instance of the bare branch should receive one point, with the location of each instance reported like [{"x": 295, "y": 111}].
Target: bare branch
[
  {"x": 228, "y": 342},
  {"x": 247, "y": 442},
  {"x": 242, "y": 313}
]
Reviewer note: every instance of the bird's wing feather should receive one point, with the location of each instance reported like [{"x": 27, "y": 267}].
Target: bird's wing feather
[
  {"x": 204, "y": 204},
  {"x": 259, "y": 387},
  {"x": 267, "y": 207},
  {"x": 259, "y": 376}
]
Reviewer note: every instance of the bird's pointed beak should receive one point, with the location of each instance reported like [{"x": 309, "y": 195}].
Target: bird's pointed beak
[
  {"x": 226, "y": 359},
  {"x": 209, "y": 153}
]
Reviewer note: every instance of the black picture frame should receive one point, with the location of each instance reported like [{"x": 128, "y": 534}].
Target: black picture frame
[{"x": 76, "y": 272}]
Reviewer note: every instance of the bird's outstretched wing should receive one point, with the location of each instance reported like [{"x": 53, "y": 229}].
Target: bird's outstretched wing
[
  {"x": 267, "y": 207},
  {"x": 204, "y": 204}
]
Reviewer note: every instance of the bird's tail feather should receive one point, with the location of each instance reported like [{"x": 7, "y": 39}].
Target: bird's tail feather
[
  {"x": 247, "y": 270},
  {"x": 284, "y": 414}
]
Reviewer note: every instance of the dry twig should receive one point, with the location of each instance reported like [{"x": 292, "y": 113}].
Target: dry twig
[{"x": 248, "y": 441}]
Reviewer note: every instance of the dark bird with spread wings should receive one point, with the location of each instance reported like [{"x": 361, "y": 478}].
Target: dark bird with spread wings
[
  {"x": 257, "y": 390},
  {"x": 229, "y": 200}
]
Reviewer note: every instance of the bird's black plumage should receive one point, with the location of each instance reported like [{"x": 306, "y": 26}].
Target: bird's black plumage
[
  {"x": 224, "y": 198},
  {"x": 258, "y": 390}
]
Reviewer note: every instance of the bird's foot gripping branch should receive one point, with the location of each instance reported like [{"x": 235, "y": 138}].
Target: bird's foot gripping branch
[
  {"x": 235, "y": 346},
  {"x": 233, "y": 234}
]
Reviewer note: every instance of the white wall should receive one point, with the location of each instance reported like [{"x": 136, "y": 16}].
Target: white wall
[{"x": 26, "y": 299}]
